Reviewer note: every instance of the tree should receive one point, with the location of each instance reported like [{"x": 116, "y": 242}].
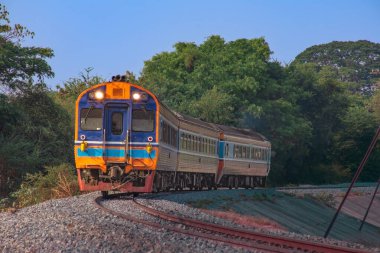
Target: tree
[
  {"x": 214, "y": 106},
  {"x": 34, "y": 129},
  {"x": 234, "y": 83},
  {"x": 354, "y": 61},
  {"x": 352, "y": 141},
  {"x": 19, "y": 65},
  {"x": 72, "y": 88}
]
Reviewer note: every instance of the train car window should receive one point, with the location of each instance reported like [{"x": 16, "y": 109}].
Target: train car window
[
  {"x": 173, "y": 137},
  {"x": 161, "y": 131},
  {"x": 91, "y": 119},
  {"x": 181, "y": 141},
  {"x": 165, "y": 132},
  {"x": 169, "y": 137},
  {"x": 117, "y": 123},
  {"x": 142, "y": 120}
]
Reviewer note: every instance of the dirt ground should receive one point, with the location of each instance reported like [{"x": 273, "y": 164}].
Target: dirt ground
[{"x": 357, "y": 204}]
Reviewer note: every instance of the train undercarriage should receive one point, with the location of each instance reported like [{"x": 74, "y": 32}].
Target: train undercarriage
[{"x": 145, "y": 181}]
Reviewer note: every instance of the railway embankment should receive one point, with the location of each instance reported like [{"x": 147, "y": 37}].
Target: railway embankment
[
  {"x": 77, "y": 225},
  {"x": 299, "y": 213}
]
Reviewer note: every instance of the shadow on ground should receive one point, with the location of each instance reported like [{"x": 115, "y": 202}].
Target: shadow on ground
[{"x": 302, "y": 215}]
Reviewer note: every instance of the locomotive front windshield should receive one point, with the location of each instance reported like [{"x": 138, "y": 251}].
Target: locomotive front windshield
[
  {"x": 142, "y": 120},
  {"x": 91, "y": 119}
]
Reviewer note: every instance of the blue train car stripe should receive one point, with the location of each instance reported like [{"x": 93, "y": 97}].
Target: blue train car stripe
[
  {"x": 98, "y": 152},
  {"x": 221, "y": 149}
]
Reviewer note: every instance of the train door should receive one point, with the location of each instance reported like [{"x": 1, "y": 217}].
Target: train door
[{"x": 116, "y": 133}]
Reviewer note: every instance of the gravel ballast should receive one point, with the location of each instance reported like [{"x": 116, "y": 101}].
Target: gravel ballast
[{"x": 76, "y": 225}]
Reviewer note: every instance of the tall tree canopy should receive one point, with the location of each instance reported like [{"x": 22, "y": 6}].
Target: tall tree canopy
[
  {"x": 34, "y": 130},
  {"x": 304, "y": 109},
  {"x": 233, "y": 83},
  {"x": 19, "y": 65}
]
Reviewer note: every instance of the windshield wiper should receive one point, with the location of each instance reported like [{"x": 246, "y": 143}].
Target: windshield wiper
[{"x": 88, "y": 112}]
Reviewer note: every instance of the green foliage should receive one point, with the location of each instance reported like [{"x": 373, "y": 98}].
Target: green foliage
[
  {"x": 233, "y": 68},
  {"x": 8, "y": 32},
  {"x": 374, "y": 105},
  {"x": 324, "y": 198},
  {"x": 233, "y": 83},
  {"x": 352, "y": 141},
  {"x": 68, "y": 94},
  {"x": 20, "y": 65},
  {"x": 37, "y": 133},
  {"x": 302, "y": 108},
  {"x": 208, "y": 107},
  {"x": 353, "y": 61},
  {"x": 56, "y": 182}
]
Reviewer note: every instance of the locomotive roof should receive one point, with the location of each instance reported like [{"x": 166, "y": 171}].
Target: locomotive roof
[
  {"x": 227, "y": 130},
  {"x": 196, "y": 121},
  {"x": 239, "y": 132}
]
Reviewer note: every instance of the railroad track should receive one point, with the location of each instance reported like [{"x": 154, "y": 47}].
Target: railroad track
[
  {"x": 228, "y": 235},
  {"x": 322, "y": 187}
]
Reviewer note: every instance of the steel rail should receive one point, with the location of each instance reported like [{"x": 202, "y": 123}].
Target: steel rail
[
  {"x": 286, "y": 243},
  {"x": 235, "y": 243}
]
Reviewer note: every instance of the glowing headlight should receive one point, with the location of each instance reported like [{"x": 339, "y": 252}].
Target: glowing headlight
[
  {"x": 99, "y": 95},
  {"x": 136, "y": 96}
]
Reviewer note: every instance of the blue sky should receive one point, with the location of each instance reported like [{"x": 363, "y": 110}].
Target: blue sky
[{"x": 113, "y": 36}]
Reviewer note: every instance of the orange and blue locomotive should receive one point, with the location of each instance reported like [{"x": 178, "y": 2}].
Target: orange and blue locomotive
[{"x": 126, "y": 140}]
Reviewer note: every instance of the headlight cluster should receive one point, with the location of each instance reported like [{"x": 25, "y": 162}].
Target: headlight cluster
[
  {"x": 139, "y": 96},
  {"x": 96, "y": 95}
]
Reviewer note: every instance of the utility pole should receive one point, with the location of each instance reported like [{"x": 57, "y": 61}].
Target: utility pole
[
  {"x": 370, "y": 204},
  {"x": 357, "y": 173}
]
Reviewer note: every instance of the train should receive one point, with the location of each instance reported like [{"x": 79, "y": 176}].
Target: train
[{"x": 126, "y": 140}]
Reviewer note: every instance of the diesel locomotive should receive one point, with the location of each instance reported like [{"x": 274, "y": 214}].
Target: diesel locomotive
[{"x": 126, "y": 140}]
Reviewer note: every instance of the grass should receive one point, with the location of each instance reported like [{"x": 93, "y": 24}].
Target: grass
[
  {"x": 327, "y": 199},
  {"x": 57, "y": 182}
]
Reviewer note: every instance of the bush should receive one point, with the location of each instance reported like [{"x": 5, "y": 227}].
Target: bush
[{"x": 57, "y": 182}]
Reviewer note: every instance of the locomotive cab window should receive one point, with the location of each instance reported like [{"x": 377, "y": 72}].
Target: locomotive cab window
[
  {"x": 117, "y": 123},
  {"x": 142, "y": 120},
  {"x": 91, "y": 119}
]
